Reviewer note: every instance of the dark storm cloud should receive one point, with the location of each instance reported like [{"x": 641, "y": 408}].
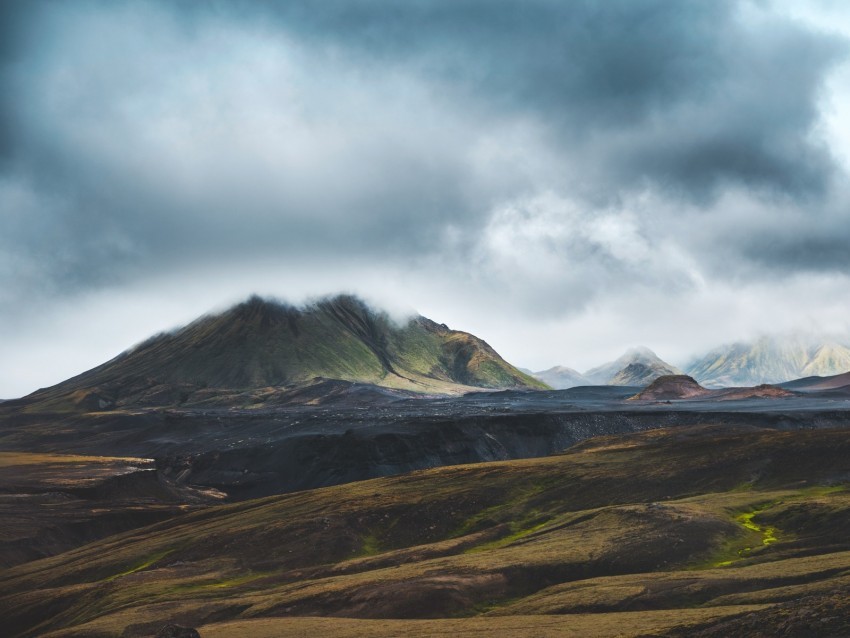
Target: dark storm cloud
[
  {"x": 781, "y": 241},
  {"x": 142, "y": 137},
  {"x": 803, "y": 253},
  {"x": 14, "y": 25},
  {"x": 722, "y": 100},
  {"x": 84, "y": 199}
]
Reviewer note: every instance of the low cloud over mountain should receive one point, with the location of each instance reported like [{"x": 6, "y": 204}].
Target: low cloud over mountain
[{"x": 564, "y": 165}]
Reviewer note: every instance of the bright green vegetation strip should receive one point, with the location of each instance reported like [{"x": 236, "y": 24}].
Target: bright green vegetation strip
[
  {"x": 510, "y": 538},
  {"x": 760, "y": 535},
  {"x": 235, "y": 582},
  {"x": 220, "y": 584},
  {"x": 150, "y": 560},
  {"x": 512, "y": 510},
  {"x": 767, "y": 532},
  {"x": 371, "y": 546}
]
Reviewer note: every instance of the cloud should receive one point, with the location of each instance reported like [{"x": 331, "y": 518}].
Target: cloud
[
  {"x": 555, "y": 255},
  {"x": 686, "y": 94},
  {"x": 535, "y": 159}
]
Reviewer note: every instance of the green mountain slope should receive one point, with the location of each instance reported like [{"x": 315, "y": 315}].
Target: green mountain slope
[{"x": 261, "y": 343}]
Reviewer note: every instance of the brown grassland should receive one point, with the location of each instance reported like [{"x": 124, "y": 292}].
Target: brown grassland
[{"x": 647, "y": 534}]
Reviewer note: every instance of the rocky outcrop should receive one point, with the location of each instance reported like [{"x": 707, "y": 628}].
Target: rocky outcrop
[{"x": 679, "y": 387}]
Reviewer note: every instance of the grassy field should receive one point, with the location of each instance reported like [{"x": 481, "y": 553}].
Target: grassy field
[
  {"x": 616, "y": 625},
  {"x": 620, "y": 536},
  {"x": 21, "y": 459}
]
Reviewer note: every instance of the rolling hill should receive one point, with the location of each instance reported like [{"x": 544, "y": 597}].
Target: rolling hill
[
  {"x": 266, "y": 344},
  {"x": 836, "y": 383},
  {"x": 657, "y": 533},
  {"x": 682, "y": 387}
]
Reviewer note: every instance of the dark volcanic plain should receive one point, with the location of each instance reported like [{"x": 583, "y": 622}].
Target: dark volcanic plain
[{"x": 348, "y": 432}]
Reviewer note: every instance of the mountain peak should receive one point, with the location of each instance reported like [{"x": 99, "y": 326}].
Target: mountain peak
[
  {"x": 637, "y": 366},
  {"x": 639, "y": 354},
  {"x": 261, "y": 343},
  {"x": 257, "y": 308},
  {"x": 256, "y": 301}
]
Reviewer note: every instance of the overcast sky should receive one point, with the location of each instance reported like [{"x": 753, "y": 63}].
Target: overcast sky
[{"x": 563, "y": 179}]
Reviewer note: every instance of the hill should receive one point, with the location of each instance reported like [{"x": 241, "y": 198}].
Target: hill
[
  {"x": 682, "y": 387},
  {"x": 261, "y": 344},
  {"x": 645, "y": 534},
  {"x": 774, "y": 359},
  {"x": 838, "y": 382},
  {"x": 671, "y": 387},
  {"x": 638, "y": 366}
]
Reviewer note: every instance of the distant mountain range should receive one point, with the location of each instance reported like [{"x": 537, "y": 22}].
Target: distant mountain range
[
  {"x": 637, "y": 367},
  {"x": 775, "y": 359},
  {"x": 769, "y": 360},
  {"x": 261, "y": 344}
]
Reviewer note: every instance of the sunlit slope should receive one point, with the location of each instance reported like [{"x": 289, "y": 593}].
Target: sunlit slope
[
  {"x": 707, "y": 519},
  {"x": 261, "y": 343}
]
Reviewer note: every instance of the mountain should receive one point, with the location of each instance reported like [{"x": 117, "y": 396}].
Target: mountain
[
  {"x": 770, "y": 359},
  {"x": 839, "y": 382},
  {"x": 827, "y": 360},
  {"x": 637, "y": 374},
  {"x": 261, "y": 343},
  {"x": 638, "y": 366},
  {"x": 561, "y": 378}
]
